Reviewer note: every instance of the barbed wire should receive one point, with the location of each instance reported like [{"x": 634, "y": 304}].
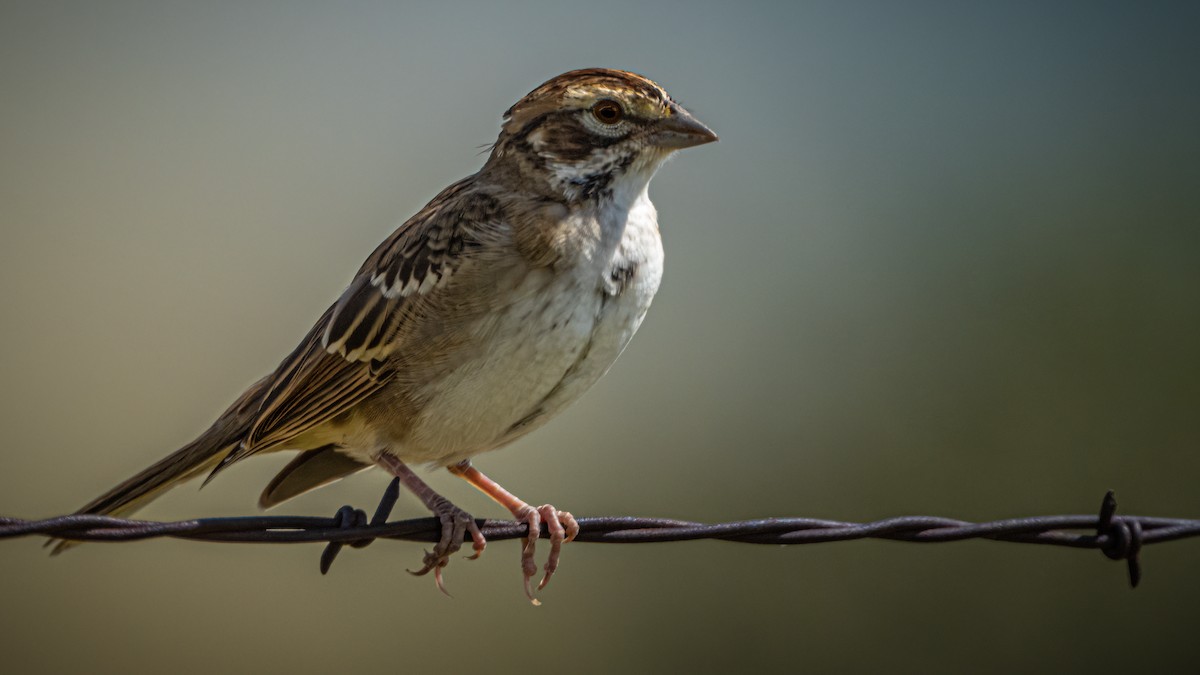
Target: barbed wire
[{"x": 1118, "y": 537}]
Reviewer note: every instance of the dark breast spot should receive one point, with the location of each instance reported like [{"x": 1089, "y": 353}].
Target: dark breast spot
[{"x": 619, "y": 277}]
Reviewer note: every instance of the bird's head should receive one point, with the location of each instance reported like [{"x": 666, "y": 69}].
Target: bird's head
[{"x": 581, "y": 133}]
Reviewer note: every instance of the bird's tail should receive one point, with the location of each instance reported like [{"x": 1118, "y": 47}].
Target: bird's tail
[{"x": 191, "y": 460}]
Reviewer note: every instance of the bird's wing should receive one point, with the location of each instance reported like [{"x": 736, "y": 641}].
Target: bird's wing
[
  {"x": 308, "y": 470},
  {"x": 346, "y": 356}
]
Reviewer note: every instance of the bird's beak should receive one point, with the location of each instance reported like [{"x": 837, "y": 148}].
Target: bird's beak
[{"x": 681, "y": 130}]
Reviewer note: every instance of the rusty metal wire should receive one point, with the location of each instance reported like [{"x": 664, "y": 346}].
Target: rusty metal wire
[{"x": 1118, "y": 537}]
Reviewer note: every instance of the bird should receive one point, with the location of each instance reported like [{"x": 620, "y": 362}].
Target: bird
[{"x": 478, "y": 320}]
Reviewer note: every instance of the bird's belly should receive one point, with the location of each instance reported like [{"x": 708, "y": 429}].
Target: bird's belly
[{"x": 545, "y": 350}]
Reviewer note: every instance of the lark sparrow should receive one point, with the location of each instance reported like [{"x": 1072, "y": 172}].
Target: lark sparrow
[{"x": 478, "y": 320}]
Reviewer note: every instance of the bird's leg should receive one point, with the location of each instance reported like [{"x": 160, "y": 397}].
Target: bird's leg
[
  {"x": 455, "y": 521},
  {"x": 560, "y": 524}
]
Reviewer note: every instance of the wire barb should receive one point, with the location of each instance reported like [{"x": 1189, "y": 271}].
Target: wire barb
[
  {"x": 1118, "y": 537},
  {"x": 349, "y": 517},
  {"x": 1121, "y": 537}
]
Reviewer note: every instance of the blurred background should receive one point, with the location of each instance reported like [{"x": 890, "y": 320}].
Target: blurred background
[{"x": 945, "y": 260}]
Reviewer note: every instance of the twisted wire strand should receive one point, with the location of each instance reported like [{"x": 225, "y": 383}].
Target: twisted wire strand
[{"x": 1118, "y": 537}]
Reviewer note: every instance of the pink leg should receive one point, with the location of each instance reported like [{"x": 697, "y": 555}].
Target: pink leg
[
  {"x": 560, "y": 524},
  {"x": 455, "y": 522}
]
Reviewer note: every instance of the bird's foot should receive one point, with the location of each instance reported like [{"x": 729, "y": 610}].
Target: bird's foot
[
  {"x": 455, "y": 524},
  {"x": 561, "y": 527}
]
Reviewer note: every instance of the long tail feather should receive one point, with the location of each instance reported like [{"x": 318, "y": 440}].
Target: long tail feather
[{"x": 186, "y": 463}]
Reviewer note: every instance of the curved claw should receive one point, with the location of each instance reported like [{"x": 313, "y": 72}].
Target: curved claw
[
  {"x": 571, "y": 524},
  {"x": 436, "y": 564},
  {"x": 437, "y": 579},
  {"x": 533, "y": 519},
  {"x": 478, "y": 542},
  {"x": 428, "y": 563},
  {"x": 455, "y": 523},
  {"x": 563, "y": 528}
]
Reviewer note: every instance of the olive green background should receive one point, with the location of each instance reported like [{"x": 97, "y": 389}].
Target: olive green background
[{"x": 945, "y": 260}]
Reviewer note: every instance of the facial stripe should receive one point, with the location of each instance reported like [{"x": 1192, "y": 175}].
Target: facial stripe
[{"x": 553, "y": 131}]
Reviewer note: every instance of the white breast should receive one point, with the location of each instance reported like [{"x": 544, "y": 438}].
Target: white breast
[{"x": 563, "y": 333}]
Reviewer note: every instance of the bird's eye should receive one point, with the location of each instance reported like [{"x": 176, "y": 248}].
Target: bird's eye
[{"x": 608, "y": 112}]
